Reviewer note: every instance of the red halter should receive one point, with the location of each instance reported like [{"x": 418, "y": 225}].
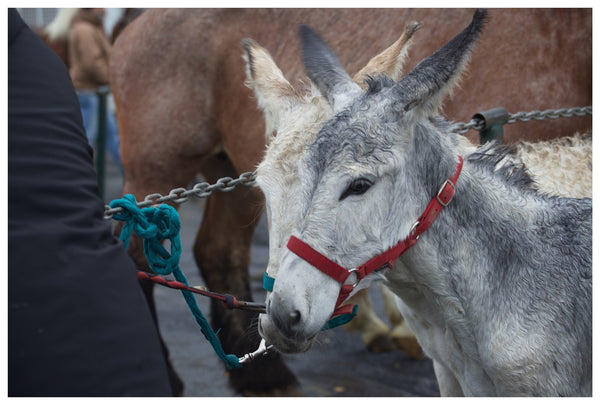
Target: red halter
[{"x": 387, "y": 258}]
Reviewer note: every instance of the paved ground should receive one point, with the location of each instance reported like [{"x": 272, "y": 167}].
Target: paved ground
[{"x": 338, "y": 366}]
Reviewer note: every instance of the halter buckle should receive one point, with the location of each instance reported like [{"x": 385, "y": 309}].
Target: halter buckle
[{"x": 442, "y": 193}]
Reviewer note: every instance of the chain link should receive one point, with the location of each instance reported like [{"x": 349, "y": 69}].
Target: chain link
[
  {"x": 463, "y": 128},
  {"x": 181, "y": 195},
  {"x": 203, "y": 190},
  {"x": 479, "y": 124}
]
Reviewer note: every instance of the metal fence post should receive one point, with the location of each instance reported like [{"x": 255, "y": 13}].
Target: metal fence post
[{"x": 493, "y": 121}]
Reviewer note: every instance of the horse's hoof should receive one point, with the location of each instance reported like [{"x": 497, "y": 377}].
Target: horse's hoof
[
  {"x": 410, "y": 346},
  {"x": 381, "y": 343}
]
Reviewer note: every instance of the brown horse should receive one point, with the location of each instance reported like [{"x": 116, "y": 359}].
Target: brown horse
[{"x": 178, "y": 81}]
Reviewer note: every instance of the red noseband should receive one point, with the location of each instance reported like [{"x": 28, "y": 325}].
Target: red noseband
[{"x": 385, "y": 259}]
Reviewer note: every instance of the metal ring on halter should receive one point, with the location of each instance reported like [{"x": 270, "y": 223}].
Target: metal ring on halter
[
  {"x": 412, "y": 229},
  {"x": 354, "y": 270}
]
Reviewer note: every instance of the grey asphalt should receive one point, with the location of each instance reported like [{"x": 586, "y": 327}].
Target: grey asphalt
[{"x": 337, "y": 366}]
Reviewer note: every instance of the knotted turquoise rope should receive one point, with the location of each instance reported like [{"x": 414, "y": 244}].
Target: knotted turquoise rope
[{"x": 154, "y": 225}]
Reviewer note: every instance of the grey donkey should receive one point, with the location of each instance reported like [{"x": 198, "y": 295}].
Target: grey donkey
[{"x": 498, "y": 288}]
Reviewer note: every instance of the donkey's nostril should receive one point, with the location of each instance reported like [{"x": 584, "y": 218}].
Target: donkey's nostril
[
  {"x": 287, "y": 316},
  {"x": 295, "y": 317}
]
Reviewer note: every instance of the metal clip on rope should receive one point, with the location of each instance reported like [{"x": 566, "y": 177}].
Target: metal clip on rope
[{"x": 262, "y": 350}]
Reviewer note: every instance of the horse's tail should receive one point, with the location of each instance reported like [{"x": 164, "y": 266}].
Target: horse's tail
[{"x": 59, "y": 27}]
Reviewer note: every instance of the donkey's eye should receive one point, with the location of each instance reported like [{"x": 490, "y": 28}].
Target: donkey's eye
[{"x": 357, "y": 187}]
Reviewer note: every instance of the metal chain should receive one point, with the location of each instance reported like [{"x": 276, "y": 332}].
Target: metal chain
[
  {"x": 203, "y": 190},
  {"x": 478, "y": 124},
  {"x": 181, "y": 195}
]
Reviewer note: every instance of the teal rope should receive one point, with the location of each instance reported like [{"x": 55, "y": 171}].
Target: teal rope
[{"x": 154, "y": 225}]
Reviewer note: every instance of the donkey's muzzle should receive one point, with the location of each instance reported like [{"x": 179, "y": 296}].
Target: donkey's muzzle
[{"x": 287, "y": 317}]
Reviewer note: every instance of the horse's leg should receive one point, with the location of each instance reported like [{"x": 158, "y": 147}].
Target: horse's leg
[
  {"x": 375, "y": 334},
  {"x": 448, "y": 384},
  {"x": 222, "y": 252},
  {"x": 402, "y": 336}
]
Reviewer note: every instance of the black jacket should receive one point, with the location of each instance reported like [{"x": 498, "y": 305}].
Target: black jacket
[{"x": 78, "y": 323}]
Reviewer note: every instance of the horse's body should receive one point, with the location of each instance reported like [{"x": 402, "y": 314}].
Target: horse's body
[
  {"x": 183, "y": 109},
  {"x": 498, "y": 289}
]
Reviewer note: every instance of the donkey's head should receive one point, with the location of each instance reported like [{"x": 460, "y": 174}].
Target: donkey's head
[
  {"x": 296, "y": 117},
  {"x": 361, "y": 160}
]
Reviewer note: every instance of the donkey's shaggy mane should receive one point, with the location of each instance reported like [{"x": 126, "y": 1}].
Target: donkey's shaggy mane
[{"x": 495, "y": 159}]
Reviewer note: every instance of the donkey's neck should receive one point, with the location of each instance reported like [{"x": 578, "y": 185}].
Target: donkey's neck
[{"x": 483, "y": 229}]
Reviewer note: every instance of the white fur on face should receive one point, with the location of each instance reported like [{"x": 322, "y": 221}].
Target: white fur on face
[{"x": 277, "y": 177}]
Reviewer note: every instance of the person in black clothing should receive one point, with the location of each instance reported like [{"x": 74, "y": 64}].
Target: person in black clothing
[{"x": 78, "y": 323}]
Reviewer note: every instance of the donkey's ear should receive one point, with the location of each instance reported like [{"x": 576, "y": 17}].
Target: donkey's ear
[
  {"x": 326, "y": 71},
  {"x": 432, "y": 79},
  {"x": 391, "y": 61},
  {"x": 273, "y": 92}
]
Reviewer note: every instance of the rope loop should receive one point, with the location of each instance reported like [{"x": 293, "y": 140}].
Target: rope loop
[
  {"x": 164, "y": 224},
  {"x": 130, "y": 214},
  {"x": 129, "y": 208},
  {"x": 154, "y": 225}
]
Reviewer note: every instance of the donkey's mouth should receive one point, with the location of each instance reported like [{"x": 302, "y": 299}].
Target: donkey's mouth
[{"x": 281, "y": 342}]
